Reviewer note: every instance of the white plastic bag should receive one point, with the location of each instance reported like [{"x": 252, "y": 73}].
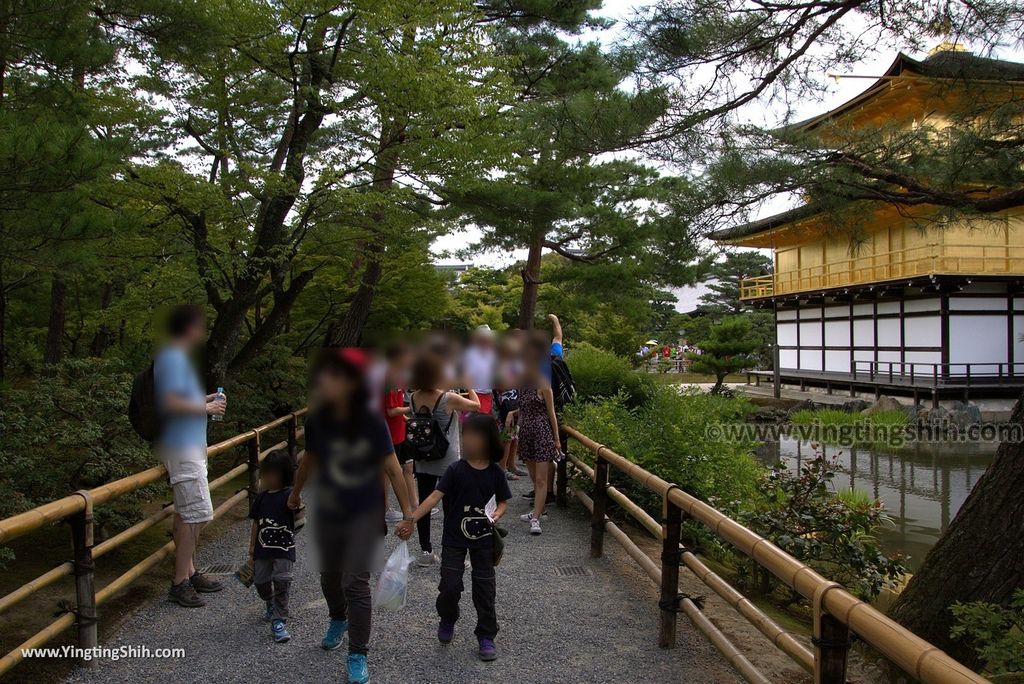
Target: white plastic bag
[{"x": 393, "y": 583}]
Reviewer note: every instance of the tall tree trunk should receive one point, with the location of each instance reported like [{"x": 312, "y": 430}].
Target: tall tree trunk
[
  {"x": 531, "y": 283},
  {"x": 54, "y": 350},
  {"x": 3, "y": 331},
  {"x": 980, "y": 557},
  {"x": 349, "y": 331},
  {"x": 101, "y": 340}
]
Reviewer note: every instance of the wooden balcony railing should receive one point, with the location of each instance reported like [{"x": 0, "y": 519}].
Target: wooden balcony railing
[{"x": 879, "y": 267}]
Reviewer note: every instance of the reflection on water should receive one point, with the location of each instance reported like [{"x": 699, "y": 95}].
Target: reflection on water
[{"x": 922, "y": 485}]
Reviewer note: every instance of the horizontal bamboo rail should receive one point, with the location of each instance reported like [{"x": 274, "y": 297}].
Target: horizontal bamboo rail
[
  {"x": 78, "y": 509},
  {"x": 835, "y": 609},
  {"x": 699, "y": 620},
  {"x": 782, "y": 639}
]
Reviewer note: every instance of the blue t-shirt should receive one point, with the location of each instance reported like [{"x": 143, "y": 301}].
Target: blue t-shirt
[{"x": 173, "y": 373}]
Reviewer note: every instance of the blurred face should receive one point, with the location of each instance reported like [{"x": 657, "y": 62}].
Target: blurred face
[
  {"x": 474, "y": 444},
  {"x": 334, "y": 385},
  {"x": 196, "y": 332},
  {"x": 271, "y": 479}
]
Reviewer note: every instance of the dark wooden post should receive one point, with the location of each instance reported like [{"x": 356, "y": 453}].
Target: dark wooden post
[
  {"x": 831, "y": 639},
  {"x": 776, "y": 374},
  {"x": 562, "y": 482},
  {"x": 669, "y": 601},
  {"x": 600, "y": 505},
  {"x": 85, "y": 578},
  {"x": 253, "y": 447},
  {"x": 292, "y": 426}
]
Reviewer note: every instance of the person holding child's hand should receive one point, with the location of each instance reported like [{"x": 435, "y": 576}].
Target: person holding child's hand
[{"x": 467, "y": 487}]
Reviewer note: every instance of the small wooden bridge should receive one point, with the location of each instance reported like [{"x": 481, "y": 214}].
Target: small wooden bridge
[{"x": 570, "y": 610}]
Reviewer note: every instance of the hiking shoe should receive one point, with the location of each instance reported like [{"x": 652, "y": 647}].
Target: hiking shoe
[
  {"x": 333, "y": 635},
  {"x": 203, "y": 584},
  {"x": 426, "y": 559},
  {"x": 357, "y": 671},
  {"x": 509, "y": 475},
  {"x": 185, "y": 595},
  {"x": 534, "y": 526},
  {"x": 521, "y": 471},
  {"x": 527, "y": 517},
  {"x": 530, "y": 495},
  {"x": 445, "y": 632},
  {"x": 279, "y": 631},
  {"x": 269, "y": 615},
  {"x": 488, "y": 651}
]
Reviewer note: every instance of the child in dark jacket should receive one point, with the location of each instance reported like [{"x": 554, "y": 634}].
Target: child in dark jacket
[
  {"x": 466, "y": 487},
  {"x": 272, "y": 544}
]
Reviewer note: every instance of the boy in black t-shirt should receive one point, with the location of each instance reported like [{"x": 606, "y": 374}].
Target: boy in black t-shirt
[
  {"x": 272, "y": 544},
  {"x": 466, "y": 488}
]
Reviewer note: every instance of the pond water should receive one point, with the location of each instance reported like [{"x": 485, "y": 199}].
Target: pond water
[{"x": 922, "y": 485}]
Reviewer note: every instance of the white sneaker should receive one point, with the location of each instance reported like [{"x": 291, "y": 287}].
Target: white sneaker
[
  {"x": 527, "y": 517},
  {"x": 391, "y": 517},
  {"x": 427, "y": 558},
  {"x": 534, "y": 526}
]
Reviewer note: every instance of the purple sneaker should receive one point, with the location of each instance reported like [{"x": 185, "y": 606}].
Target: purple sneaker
[
  {"x": 488, "y": 651},
  {"x": 445, "y": 632}
]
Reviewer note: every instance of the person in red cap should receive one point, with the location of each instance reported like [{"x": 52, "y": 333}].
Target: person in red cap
[{"x": 348, "y": 448}]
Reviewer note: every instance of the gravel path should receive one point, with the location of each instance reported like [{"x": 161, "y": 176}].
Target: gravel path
[{"x": 600, "y": 627}]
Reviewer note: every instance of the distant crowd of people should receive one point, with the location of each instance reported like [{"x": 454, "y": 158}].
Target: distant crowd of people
[
  {"x": 435, "y": 421},
  {"x": 653, "y": 353}
]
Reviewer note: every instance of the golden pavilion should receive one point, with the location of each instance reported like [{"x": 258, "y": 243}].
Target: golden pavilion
[{"x": 916, "y": 303}]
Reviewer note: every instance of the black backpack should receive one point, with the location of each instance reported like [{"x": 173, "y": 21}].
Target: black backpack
[
  {"x": 424, "y": 438},
  {"x": 562, "y": 384},
  {"x": 142, "y": 411}
]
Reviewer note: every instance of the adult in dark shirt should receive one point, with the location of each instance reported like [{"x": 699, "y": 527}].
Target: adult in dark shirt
[
  {"x": 348, "y": 448},
  {"x": 466, "y": 488}
]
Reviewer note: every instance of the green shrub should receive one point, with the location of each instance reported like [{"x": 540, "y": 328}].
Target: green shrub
[
  {"x": 601, "y": 374},
  {"x": 833, "y": 532},
  {"x": 667, "y": 435},
  {"x": 995, "y": 632}
]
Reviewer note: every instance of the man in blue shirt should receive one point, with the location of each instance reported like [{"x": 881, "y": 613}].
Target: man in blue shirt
[{"x": 184, "y": 407}]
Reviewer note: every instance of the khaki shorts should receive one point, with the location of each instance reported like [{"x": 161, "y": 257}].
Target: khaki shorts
[{"x": 186, "y": 470}]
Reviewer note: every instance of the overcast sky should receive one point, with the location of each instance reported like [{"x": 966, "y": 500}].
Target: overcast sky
[{"x": 839, "y": 91}]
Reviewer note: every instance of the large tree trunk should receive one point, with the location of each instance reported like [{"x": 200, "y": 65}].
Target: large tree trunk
[
  {"x": 349, "y": 331},
  {"x": 531, "y": 283},
  {"x": 101, "y": 340},
  {"x": 980, "y": 557},
  {"x": 54, "y": 350}
]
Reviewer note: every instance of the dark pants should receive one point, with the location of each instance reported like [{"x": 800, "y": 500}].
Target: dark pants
[
  {"x": 273, "y": 579},
  {"x": 453, "y": 566},
  {"x": 346, "y": 552},
  {"x": 425, "y": 486}
]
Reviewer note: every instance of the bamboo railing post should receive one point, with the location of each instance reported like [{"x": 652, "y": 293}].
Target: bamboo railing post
[
  {"x": 831, "y": 639},
  {"x": 254, "y": 467},
  {"x": 85, "y": 577},
  {"x": 562, "y": 482},
  {"x": 670, "y": 553},
  {"x": 600, "y": 505}
]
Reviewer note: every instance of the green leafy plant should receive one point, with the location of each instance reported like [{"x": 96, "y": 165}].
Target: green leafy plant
[
  {"x": 668, "y": 436},
  {"x": 832, "y": 532},
  {"x": 995, "y": 632}
]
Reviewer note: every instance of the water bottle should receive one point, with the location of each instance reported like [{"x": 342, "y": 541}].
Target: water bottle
[{"x": 220, "y": 396}]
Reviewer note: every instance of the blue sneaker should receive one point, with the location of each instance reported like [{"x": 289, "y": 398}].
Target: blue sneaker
[
  {"x": 269, "y": 615},
  {"x": 357, "y": 672},
  {"x": 279, "y": 631},
  {"x": 333, "y": 635},
  {"x": 445, "y": 632}
]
